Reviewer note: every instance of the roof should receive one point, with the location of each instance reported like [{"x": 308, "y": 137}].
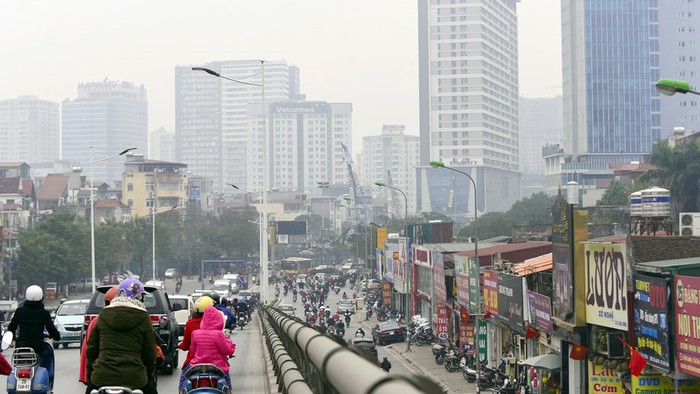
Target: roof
[
  {"x": 646, "y": 249},
  {"x": 53, "y": 188},
  {"x": 5, "y": 164},
  {"x": 449, "y": 247},
  {"x": 534, "y": 265},
  {"x": 110, "y": 203},
  {"x": 491, "y": 248},
  {"x": 678, "y": 266}
]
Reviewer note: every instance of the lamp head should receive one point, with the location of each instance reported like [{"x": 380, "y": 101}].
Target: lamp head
[
  {"x": 435, "y": 164},
  {"x": 206, "y": 70},
  {"x": 125, "y": 151},
  {"x": 670, "y": 87},
  {"x": 380, "y": 184}
]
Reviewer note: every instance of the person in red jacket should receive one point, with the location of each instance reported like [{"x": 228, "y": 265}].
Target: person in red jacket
[
  {"x": 210, "y": 345},
  {"x": 82, "y": 373},
  {"x": 192, "y": 325}
]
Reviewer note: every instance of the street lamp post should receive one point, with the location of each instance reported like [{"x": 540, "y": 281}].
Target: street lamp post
[
  {"x": 266, "y": 175},
  {"x": 439, "y": 164},
  {"x": 670, "y": 87},
  {"x": 92, "y": 208},
  {"x": 409, "y": 269}
]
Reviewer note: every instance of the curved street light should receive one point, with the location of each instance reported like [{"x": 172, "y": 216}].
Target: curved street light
[
  {"x": 670, "y": 87},
  {"x": 92, "y": 208}
]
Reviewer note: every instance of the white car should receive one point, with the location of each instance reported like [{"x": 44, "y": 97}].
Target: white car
[
  {"x": 301, "y": 278},
  {"x": 222, "y": 287},
  {"x": 288, "y": 309},
  {"x": 183, "y": 308},
  {"x": 170, "y": 273},
  {"x": 155, "y": 283}
]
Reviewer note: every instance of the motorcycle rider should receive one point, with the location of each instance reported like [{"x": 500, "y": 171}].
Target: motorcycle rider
[
  {"x": 82, "y": 376},
  {"x": 359, "y": 333},
  {"x": 32, "y": 319},
  {"x": 192, "y": 325},
  {"x": 277, "y": 290},
  {"x": 347, "y": 315},
  {"x": 121, "y": 348},
  {"x": 209, "y": 344},
  {"x": 230, "y": 321},
  {"x": 241, "y": 307}
]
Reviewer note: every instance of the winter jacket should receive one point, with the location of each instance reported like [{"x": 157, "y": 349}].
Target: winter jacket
[
  {"x": 122, "y": 346},
  {"x": 82, "y": 373},
  {"x": 32, "y": 319},
  {"x": 209, "y": 344},
  {"x": 230, "y": 317},
  {"x": 191, "y": 326}
]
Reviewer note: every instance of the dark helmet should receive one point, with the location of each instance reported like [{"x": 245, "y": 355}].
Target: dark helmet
[
  {"x": 235, "y": 300},
  {"x": 216, "y": 297}
]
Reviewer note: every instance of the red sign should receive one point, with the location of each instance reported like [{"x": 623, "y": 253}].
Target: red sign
[
  {"x": 443, "y": 322},
  {"x": 491, "y": 292},
  {"x": 386, "y": 293},
  {"x": 466, "y": 337},
  {"x": 686, "y": 291}
]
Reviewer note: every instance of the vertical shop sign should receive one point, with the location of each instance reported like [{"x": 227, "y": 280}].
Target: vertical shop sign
[
  {"x": 651, "y": 320},
  {"x": 482, "y": 341},
  {"x": 606, "y": 285},
  {"x": 686, "y": 291},
  {"x": 491, "y": 292},
  {"x": 466, "y": 337},
  {"x": 442, "y": 322}
]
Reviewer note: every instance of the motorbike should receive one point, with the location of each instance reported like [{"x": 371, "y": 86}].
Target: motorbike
[
  {"x": 491, "y": 379},
  {"x": 336, "y": 289},
  {"x": 303, "y": 299},
  {"x": 452, "y": 360},
  {"x": 294, "y": 298},
  {"x": 422, "y": 336},
  {"x": 205, "y": 379},
  {"x": 469, "y": 371},
  {"x": 331, "y": 329},
  {"x": 211, "y": 279},
  {"x": 241, "y": 320},
  {"x": 27, "y": 375},
  {"x": 178, "y": 287},
  {"x": 440, "y": 351},
  {"x": 115, "y": 390},
  {"x": 340, "y": 332},
  {"x": 347, "y": 321}
]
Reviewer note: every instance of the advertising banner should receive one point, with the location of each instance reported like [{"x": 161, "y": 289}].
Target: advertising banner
[
  {"x": 399, "y": 265},
  {"x": 386, "y": 293},
  {"x": 540, "y": 311},
  {"x": 651, "y": 320},
  {"x": 389, "y": 267},
  {"x": 379, "y": 261},
  {"x": 510, "y": 300},
  {"x": 422, "y": 256},
  {"x": 686, "y": 295},
  {"x": 603, "y": 380},
  {"x": 461, "y": 264},
  {"x": 466, "y": 337},
  {"x": 491, "y": 292},
  {"x": 473, "y": 283},
  {"x": 439, "y": 290},
  {"x": 482, "y": 341},
  {"x": 606, "y": 285},
  {"x": 664, "y": 384},
  {"x": 561, "y": 261},
  {"x": 463, "y": 289},
  {"x": 443, "y": 323}
]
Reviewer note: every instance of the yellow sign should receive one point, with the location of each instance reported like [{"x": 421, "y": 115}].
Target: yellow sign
[
  {"x": 664, "y": 384},
  {"x": 603, "y": 380},
  {"x": 381, "y": 237}
]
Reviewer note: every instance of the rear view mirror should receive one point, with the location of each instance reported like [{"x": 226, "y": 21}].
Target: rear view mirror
[{"x": 7, "y": 339}]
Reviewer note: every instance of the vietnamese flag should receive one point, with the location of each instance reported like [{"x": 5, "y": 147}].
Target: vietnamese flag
[
  {"x": 578, "y": 352},
  {"x": 463, "y": 314},
  {"x": 637, "y": 361},
  {"x": 531, "y": 333}
]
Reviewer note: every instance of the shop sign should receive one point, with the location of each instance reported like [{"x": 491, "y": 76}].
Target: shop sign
[
  {"x": 380, "y": 260},
  {"x": 422, "y": 256},
  {"x": 439, "y": 290},
  {"x": 491, "y": 292},
  {"x": 463, "y": 289},
  {"x": 562, "y": 275},
  {"x": 389, "y": 266},
  {"x": 386, "y": 293},
  {"x": 461, "y": 264},
  {"x": 473, "y": 283},
  {"x": 664, "y": 384},
  {"x": 442, "y": 322},
  {"x": 603, "y": 380},
  {"x": 606, "y": 285},
  {"x": 686, "y": 293},
  {"x": 651, "y": 320},
  {"x": 540, "y": 311},
  {"x": 466, "y": 337},
  {"x": 510, "y": 300},
  {"x": 482, "y": 341}
]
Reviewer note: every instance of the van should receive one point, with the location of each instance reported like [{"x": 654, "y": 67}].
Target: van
[{"x": 222, "y": 287}]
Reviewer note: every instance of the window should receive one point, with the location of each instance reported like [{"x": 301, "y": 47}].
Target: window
[{"x": 130, "y": 187}]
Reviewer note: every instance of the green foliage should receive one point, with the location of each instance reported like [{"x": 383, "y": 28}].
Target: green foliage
[
  {"x": 678, "y": 170},
  {"x": 491, "y": 224},
  {"x": 530, "y": 210}
]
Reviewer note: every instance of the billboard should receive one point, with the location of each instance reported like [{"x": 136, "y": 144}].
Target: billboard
[
  {"x": 603, "y": 380},
  {"x": 540, "y": 311},
  {"x": 510, "y": 300},
  {"x": 606, "y": 285},
  {"x": 686, "y": 295},
  {"x": 562, "y": 275},
  {"x": 491, "y": 292},
  {"x": 651, "y": 320}
]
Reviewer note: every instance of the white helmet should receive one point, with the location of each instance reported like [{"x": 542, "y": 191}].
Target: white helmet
[{"x": 34, "y": 293}]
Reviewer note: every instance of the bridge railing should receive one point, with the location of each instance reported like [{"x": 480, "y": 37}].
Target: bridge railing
[{"x": 327, "y": 364}]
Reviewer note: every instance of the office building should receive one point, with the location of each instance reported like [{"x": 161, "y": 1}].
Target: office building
[
  {"x": 29, "y": 130},
  {"x": 152, "y": 182},
  {"x": 161, "y": 145},
  {"x": 540, "y": 127},
  {"x": 106, "y": 118}
]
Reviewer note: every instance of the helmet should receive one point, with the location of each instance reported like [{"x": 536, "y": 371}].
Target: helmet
[
  {"x": 110, "y": 294},
  {"x": 216, "y": 297},
  {"x": 202, "y": 303},
  {"x": 223, "y": 300},
  {"x": 235, "y": 300},
  {"x": 131, "y": 287},
  {"x": 34, "y": 293}
]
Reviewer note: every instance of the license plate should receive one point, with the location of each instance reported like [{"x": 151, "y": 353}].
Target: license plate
[
  {"x": 23, "y": 385},
  {"x": 73, "y": 334},
  {"x": 391, "y": 333}
]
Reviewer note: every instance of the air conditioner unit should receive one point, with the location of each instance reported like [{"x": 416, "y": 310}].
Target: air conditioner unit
[{"x": 689, "y": 223}]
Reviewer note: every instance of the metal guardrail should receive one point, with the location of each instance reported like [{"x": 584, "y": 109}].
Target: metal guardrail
[
  {"x": 289, "y": 379},
  {"x": 327, "y": 365}
]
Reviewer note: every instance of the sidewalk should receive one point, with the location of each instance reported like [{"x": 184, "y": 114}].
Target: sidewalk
[{"x": 421, "y": 358}]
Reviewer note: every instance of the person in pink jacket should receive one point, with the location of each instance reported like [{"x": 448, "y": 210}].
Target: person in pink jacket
[{"x": 210, "y": 345}]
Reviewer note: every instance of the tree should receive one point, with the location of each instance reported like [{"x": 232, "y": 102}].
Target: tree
[
  {"x": 491, "y": 224},
  {"x": 531, "y": 210},
  {"x": 678, "y": 170}
]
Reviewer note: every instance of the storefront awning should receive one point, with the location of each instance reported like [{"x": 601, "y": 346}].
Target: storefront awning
[
  {"x": 546, "y": 361},
  {"x": 534, "y": 265}
]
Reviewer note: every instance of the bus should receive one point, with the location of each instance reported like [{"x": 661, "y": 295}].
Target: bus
[{"x": 295, "y": 265}]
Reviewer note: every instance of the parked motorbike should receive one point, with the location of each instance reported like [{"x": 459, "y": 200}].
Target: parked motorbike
[
  {"x": 439, "y": 353},
  {"x": 422, "y": 336},
  {"x": 452, "y": 360},
  {"x": 469, "y": 371},
  {"x": 491, "y": 379},
  {"x": 205, "y": 379}
]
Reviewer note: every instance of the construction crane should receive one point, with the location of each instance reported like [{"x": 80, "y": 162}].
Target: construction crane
[{"x": 356, "y": 191}]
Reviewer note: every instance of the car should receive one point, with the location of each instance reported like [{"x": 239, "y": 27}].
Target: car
[
  {"x": 198, "y": 293},
  {"x": 301, "y": 278},
  {"x": 156, "y": 283},
  {"x": 387, "y": 332},
  {"x": 170, "y": 273},
  {"x": 164, "y": 323},
  {"x": 288, "y": 309},
  {"x": 183, "y": 308},
  {"x": 346, "y": 304},
  {"x": 321, "y": 277},
  {"x": 364, "y": 344},
  {"x": 82, "y": 285},
  {"x": 222, "y": 287},
  {"x": 68, "y": 320}
]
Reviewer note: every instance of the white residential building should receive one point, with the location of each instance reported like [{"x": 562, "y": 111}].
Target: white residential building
[{"x": 29, "y": 130}]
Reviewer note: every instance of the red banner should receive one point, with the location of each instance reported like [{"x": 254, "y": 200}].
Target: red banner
[
  {"x": 687, "y": 303},
  {"x": 443, "y": 323},
  {"x": 386, "y": 293},
  {"x": 491, "y": 292},
  {"x": 466, "y": 337}
]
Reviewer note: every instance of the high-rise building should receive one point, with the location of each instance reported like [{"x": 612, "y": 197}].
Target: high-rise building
[
  {"x": 161, "y": 145},
  {"x": 392, "y": 158},
  {"x": 29, "y": 130},
  {"x": 540, "y": 126},
  {"x": 106, "y": 118},
  {"x": 679, "y": 35},
  {"x": 610, "y": 60},
  {"x": 306, "y": 145},
  {"x": 211, "y": 115},
  {"x": 468, "y": 70}
]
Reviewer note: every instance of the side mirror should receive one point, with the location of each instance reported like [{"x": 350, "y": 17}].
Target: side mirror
[{"x": 7, "y": 339}]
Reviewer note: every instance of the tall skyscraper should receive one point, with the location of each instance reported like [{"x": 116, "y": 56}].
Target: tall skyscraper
[
  {"x": 468, "y": 69},
  {"x": 29, "y": 130},
  {"x": 161, "y": 145},
  {"x": 392, "y": 157},
  {"x": 541, "y": 126},
  {"x": 610, "y": 60},
  {"x": 211, "y": 118},
  {"x": 106, "y": 118}
]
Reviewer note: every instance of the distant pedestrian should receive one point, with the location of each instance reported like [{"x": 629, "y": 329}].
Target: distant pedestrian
[{"x": 385, "y": 364}]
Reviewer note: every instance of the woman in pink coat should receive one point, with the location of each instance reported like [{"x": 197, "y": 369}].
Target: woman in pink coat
[{"x": 209, "y": 344}]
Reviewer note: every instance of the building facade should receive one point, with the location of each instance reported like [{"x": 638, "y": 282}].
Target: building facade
[
  {"x": 29, "y": 129},
  {"x": 161, "y": 145},
  {"x": 468, "y": 84},
  {"x": 540, "y": 126},
  {"x": 392, "y": 157},
  {"x": 151, "y": 182},
  {"x": 106, "y": 118}
]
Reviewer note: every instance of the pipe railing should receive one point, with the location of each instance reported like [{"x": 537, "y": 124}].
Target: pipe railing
[
  {"x": 289, "y": 378},
  {"x": 329, "y": 365}
]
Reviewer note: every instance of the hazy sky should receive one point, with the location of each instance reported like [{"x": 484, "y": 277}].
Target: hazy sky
[{"x": 361, "y": 51}]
